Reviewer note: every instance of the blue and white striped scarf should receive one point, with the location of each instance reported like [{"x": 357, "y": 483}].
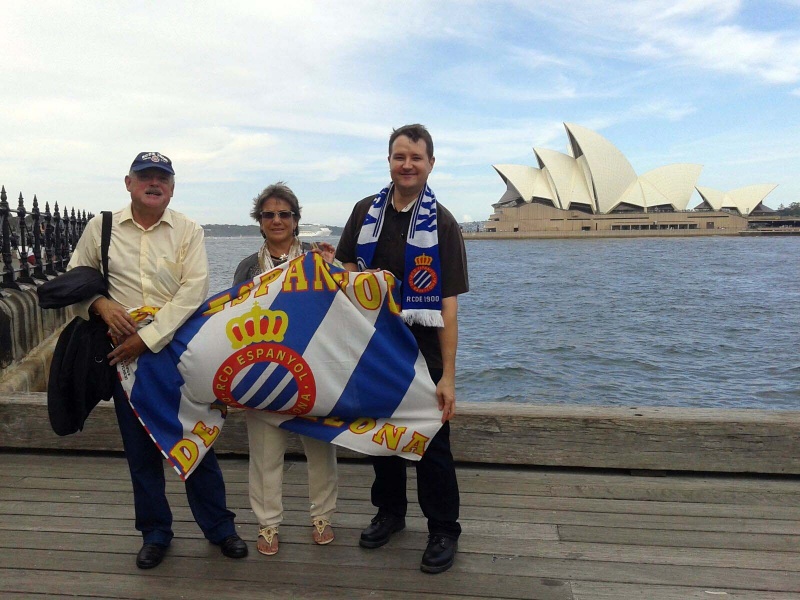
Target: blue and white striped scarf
[{"x": 421, "y": 289}]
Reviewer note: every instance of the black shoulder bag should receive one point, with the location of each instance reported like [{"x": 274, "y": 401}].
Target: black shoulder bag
[{"x": 80, "y": 375}]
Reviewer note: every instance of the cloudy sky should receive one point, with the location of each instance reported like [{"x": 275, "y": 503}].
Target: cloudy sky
[{"x": 242, "y": 94}]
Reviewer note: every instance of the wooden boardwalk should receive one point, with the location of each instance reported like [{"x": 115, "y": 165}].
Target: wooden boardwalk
[{"x": 66, "y": 531}]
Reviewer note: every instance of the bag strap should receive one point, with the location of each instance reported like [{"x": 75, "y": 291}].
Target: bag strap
[{"x": 105, "y": 242}]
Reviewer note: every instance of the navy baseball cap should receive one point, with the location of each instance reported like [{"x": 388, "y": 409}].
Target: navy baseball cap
[{"x": 152, "y": 160}]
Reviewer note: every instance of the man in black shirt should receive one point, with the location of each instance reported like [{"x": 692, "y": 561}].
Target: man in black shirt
[{"x": 406, "y": 231}]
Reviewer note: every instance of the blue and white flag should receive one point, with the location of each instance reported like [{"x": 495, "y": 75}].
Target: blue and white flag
[{"x": 323, "y": 350}]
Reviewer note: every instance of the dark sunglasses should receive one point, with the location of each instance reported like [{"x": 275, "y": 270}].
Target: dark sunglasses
[{"x": 284, "y": 215}]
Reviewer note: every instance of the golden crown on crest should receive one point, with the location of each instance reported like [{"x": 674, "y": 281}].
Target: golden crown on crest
[
  {"x": 257, "y": 325},
  {"x": 423, "y": 260}
]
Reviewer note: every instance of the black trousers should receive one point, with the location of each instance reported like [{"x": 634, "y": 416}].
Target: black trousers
[
  {"x": 437, "y": 485},
  {"x": 205, "y": 488}
]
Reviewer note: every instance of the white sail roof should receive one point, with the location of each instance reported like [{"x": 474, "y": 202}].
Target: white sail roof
[
  {"x": 599, "y": 177},
  {"x": 566, "y": 177},
  {"x": 608, "y": 171},
  {"x": 668, "y": 185},
  {"x": 521, "y": 178},
  {"x": 744, "y": 199}
]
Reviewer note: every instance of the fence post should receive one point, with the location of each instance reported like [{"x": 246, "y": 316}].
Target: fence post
[
  {"x": 60, "y": 249},
  {"x": 49, "y": 240},
  {"x": 5, "y": 241},
  {"x": 38, "y": 271},
  {"x": 24, "y": 237}
]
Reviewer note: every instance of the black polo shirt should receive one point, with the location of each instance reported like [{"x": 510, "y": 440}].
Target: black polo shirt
[{"x": 390, "y": 255}]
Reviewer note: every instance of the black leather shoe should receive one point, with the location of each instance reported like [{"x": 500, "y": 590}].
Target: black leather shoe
[
  {"x": 439, "y": 555},
  {"x": 150, "y": 556},
  {"x": 380, "y": 530},
  {"x": 233, "y": 547}
]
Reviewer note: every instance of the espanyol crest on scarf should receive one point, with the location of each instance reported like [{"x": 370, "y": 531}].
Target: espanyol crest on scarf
[
  {"x": 324, "y": 351},
  {"x": 421, "y": 294}
]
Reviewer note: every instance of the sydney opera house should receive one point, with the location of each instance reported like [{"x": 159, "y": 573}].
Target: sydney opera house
[{"x": 595, "y": 189}]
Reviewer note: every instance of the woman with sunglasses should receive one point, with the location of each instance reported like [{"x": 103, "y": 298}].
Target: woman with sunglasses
[{"x": 277, "y": 211}]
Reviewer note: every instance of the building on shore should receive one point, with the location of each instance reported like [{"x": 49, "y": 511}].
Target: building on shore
[
  {"x": 547, "y": 221},
  {"x": 595, "y": 190}
]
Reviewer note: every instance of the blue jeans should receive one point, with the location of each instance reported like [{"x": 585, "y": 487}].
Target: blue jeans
[
  {"x": 437, "y": 485},
  {"x": 205, "y": 488}
]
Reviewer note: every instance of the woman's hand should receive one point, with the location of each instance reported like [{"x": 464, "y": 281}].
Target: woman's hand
[{"x": 325, "y": 249}]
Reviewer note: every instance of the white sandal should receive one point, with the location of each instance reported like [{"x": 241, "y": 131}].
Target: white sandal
[
  {"x": 320, "y": 525},
  {"x": 270, "y": 535}
]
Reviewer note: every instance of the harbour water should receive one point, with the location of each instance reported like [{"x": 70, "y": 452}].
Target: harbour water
[{"x": 707, "y": 322}]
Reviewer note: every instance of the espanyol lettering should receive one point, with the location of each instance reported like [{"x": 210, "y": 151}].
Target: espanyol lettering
[
  {"x": 388, "y": 435},
  {"x": 185, "y": 453},
  {"x": 281, "y": 356},
  {"x": 391, "y": 284},
  {"x": 205, "y": 433},
  {"x": 368, "y": 292},
  {"x": 299, "y": 278},
  {"x": 417, "y": 444}
]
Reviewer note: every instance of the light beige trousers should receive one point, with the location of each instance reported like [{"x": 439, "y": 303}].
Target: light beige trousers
[{"x": 267, "y": 448}]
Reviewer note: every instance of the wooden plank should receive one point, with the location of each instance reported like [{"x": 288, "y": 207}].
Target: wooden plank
[
  {"x": 351, "y": 568},
  {"x": 397, "y": 569},
  {"x": 354, "y": 515},
  {"x": 512, "y": 481},
  {"x": 138, "y": 586},
  {"x": 99, "y": 492},
  {"x": 679, "y": 539},
  {"x": 37, "y": 512},
  {"x": 601, "y": 590},
  {"x": 684, "y": 439},
  {"x": 672, "y": 491},
  {"x": 237, "y": 495},
  {"x": 291, "y": 529},
  {"x": 758, "y": 491},
  {"x": 499, "y": 547},
  {"x": 643, "y": 574}
]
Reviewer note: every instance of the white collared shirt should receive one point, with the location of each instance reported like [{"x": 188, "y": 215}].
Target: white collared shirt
[
  {"x": 406, "y": 208},
  {"x": 164, "y": 266}
]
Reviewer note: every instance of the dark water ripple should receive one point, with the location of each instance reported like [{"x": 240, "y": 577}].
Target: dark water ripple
[{"x": 702, "y": 322}]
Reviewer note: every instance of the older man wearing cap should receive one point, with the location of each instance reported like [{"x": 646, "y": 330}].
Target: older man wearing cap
[{"x": 157, "y": 258}]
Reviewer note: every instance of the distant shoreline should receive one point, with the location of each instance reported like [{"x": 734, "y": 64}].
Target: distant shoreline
[
  {"x": 592, "y": 235},
  {"x": 216, "y": 230}
]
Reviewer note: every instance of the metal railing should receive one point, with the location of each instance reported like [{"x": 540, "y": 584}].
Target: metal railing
[{"x": 40, "y": 243}]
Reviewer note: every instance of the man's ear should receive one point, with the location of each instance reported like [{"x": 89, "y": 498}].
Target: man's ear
[{"x": 128, "y": 182}]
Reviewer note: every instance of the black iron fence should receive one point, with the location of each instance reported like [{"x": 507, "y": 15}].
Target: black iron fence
[{"x": 35, "y": 244}]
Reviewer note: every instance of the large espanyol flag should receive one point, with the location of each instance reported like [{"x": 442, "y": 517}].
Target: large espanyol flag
[{"x": 323, "y": 350}]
